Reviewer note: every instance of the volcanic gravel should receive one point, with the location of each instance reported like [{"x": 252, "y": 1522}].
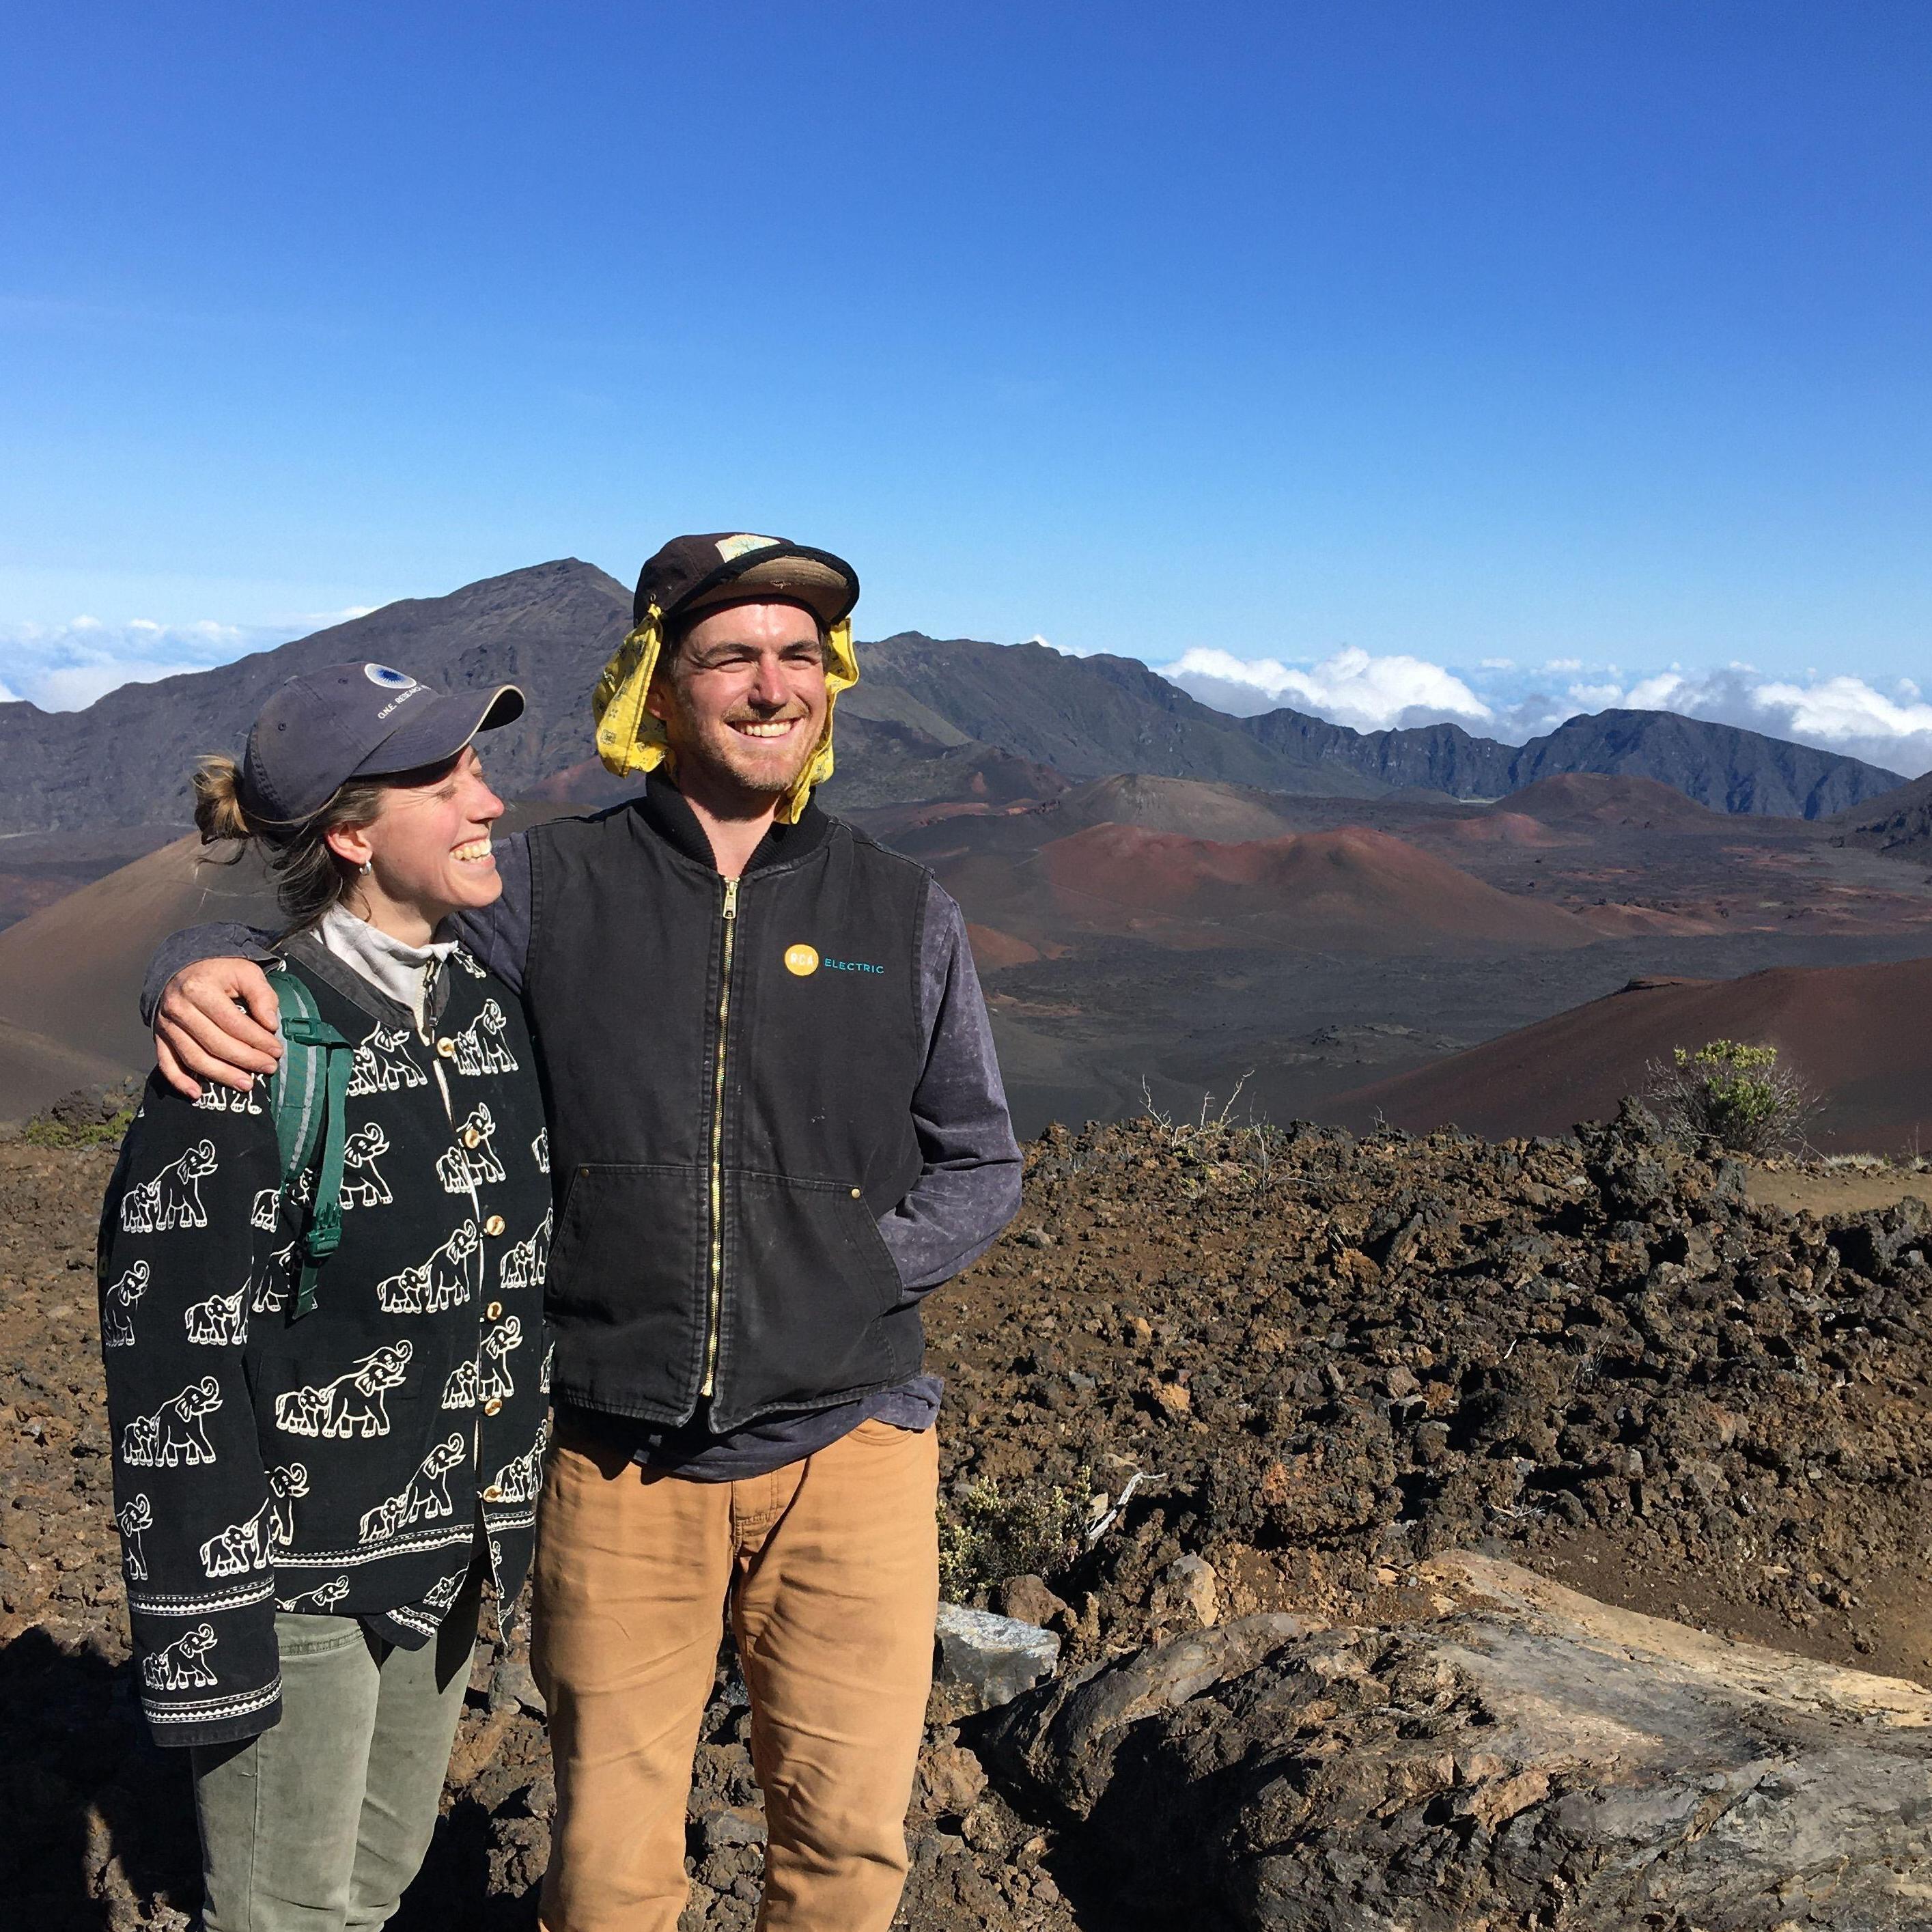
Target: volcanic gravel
[{"x": 1323, "y": 1358}]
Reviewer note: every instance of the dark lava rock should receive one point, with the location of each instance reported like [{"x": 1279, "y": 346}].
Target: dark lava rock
[{"x": 1313, "y": 1365}]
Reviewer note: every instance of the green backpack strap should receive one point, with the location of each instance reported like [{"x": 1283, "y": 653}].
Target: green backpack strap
[{"x": 311, "y": 1091}]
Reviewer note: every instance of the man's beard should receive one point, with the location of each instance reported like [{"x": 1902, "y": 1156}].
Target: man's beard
[{"x": 768, "y": 773}]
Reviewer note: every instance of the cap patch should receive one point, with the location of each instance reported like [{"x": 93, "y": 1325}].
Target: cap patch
[
  {"x": 730, "y": 549},
  {"x": 389, "y": 679}
]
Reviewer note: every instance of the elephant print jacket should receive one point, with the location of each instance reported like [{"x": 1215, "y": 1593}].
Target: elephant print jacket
[{"x": 356, "y": 1460}]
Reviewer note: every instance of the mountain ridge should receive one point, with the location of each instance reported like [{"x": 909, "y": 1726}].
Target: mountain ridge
[
  {"x": 933, "y": 714},
  {"x": 1721, "y": 765}
]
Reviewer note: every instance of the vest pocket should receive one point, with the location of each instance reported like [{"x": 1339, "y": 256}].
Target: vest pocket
[
  {"x": 807, "y": 1280},
  {"x": 625, "y": 1289}
]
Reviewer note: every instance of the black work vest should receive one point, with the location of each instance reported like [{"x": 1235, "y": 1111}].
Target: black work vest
[{"x": 730, "y": 1070}]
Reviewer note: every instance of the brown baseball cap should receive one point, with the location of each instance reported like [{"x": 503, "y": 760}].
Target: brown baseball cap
[{"x": 692, "y": 574}]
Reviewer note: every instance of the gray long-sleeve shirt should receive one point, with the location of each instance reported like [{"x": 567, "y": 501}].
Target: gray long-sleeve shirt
[{"x": 967, "y": 1189}]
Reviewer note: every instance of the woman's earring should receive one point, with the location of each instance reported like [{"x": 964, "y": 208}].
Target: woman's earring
[{"x": 367, "y": 867}]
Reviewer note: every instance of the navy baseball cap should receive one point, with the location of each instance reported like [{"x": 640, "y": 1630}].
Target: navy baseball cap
[{"x": 357, "y": 721}]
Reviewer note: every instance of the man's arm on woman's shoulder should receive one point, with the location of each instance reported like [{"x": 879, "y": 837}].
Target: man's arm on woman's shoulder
[
  {"x": 222, "y": 939},
  {"x": 215, "y": 1017}
]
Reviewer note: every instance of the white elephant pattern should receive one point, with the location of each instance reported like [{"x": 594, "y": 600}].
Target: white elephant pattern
[
  {"x": 174, "y": 1432},
  {"x": 181, "y": 1666},
  {"x": 117, "y": 1313},
  {"x": 494, "y": 1383},
  {"x": 367, "y": 1188},
  {"x": 442, "y": 1593},
  {"x": 442, "y": 1282},
  {"x": 268, "y": 1284},
  {"x": 479, "y": 1046},
  {"x": 216, "y": 1099},
  {"x": 518, "y": 1482},
  {"x": 426, "y": 1494},
  {"x": 135, "y": 1515},
  {"x": 353, "y": 1404},
  {"x": 252, "y": 1545},
  {"x": 173, "y": 1198},
  {"x": 463, "y": 1166},
  {"x": 221, "y": 1321},
  {"x": 382, "y": 1063},
  {"x": 526, "y": 1264},
  {"x": 318, "y": 1602}
]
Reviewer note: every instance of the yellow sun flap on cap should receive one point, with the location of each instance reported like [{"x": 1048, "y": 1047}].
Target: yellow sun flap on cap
[{"x": 630, "y": 740}]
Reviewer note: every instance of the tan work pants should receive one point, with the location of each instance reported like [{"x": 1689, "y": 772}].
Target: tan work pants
[{"x": 831, "y": 1568}]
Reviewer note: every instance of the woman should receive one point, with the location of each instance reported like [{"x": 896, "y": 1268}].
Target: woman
[{"x": 316, "y": 1469}]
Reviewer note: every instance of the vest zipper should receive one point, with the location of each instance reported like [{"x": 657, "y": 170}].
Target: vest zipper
[{"x": 718, "y": 1145}]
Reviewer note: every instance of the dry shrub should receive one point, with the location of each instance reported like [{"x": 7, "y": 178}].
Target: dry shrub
[
  {"x": 1739, "y": 1095},
  {"x": 987, "y": 1533}
]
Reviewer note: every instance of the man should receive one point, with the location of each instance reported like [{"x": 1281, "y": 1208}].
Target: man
[{"x": 776, "y": 1121}]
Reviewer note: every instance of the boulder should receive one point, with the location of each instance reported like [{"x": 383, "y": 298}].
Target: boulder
[
  {"x": 1029, "y": 1600},
  {"x": 1064, "y": 1738},
  {"x": 990, "y": 1659},
  {"x": 1189, "y": 1591},
  {"x": 1529, "y": 1758},
  {"x": 951, "y": 1779}
]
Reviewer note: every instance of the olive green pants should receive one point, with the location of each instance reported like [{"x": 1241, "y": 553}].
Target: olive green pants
[{"x": 319, "y": 1824}]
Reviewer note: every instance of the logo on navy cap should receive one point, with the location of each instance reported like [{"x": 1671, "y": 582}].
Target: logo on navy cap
[{"x": 390, "y": 680}]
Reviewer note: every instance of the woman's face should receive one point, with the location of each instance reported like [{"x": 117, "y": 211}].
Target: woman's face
[{"x": 427, "y": 849}]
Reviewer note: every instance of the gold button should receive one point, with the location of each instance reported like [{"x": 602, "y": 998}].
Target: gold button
[
  {"x": 447, "y": 1049},
  {"x": 492, "y": 1494},
  {"x": 491, "y": 1313},
  {"x": 491, "y": 1407},
  {"x": 494, "y": 1225},
  {"x": 470, "y": 1137},
  {"x": 855, "y": 1195}
]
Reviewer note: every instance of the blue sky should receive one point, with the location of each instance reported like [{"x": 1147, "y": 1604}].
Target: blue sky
[{"x": 1485, "y": 360}]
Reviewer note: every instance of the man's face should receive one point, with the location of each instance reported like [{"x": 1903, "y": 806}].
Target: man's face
[{"x": 744, "y": 700}]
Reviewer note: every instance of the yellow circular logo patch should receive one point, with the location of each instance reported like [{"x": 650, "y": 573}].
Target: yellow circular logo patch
[{"x": 801, "y": 960}]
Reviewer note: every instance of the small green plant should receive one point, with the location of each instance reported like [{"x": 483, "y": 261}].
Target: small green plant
[
  {"x": 1738, "y": 1094},
  {"x": 44, "y": 1130},
  {"x": 987, "y": 1533},
  {"x": 90, "y": 1116}
]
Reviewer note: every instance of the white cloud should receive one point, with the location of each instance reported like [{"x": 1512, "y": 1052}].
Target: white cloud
[
  {"x": 64, "y": 667},
  {"x": 67, "y": 667},
  {"x": 1889, "y": 725},
  {"x": 1351, "y": 687},
  {"x": 1599, "y": 697},
  {"x": 1843, "y": 712}
]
